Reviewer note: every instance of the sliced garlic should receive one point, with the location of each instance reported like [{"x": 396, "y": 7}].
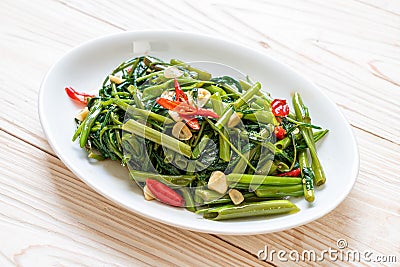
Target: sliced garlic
[
  {"x": 168, "y": 95},
  {"x": 218, "y": 182},
  {"x": 236, "y": 196},
  {"x": 81, "y": 116},
  {"x": 172, "y": 72},
  {"x": 234, "y": 119},
  {"x": 181, "y": 131},
  {"x": 174, "y": 115},
  {"x": 203, "y": 96},
  {"x": 190, "y": 97},
  {"x": 147, "y": 193},
  {"x": 116, "y": 79}
]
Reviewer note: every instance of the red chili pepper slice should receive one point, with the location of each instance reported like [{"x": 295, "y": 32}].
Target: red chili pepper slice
[
  {"x": 280, "y": 107},
  {"x": 192, "y": 122},
  {"x": 179, "y": 106},
  {"x": 185, "y": 109},
  {"x": 207, "y": 113},
  {"x": 166, "y": 103},
  {"x": 292, "y": 173},
  {"x": 77, "y": 96},
  {"x": 190, "y": 111},
  {"x": 280, "y": 133},
  {"x": 179, "y": 93},
  {"x": 164, "y": 193}
]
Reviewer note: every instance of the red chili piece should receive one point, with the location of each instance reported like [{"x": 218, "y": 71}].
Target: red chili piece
[
  {"x": 192, "y": 111},
  {"x": 180, "y": 96},
  {"x": 77, "y": 96},
  {"x": 179, "y": 107},
  {"x": 166, "y": 103},
  {"x": 292, "y": 173},
  {"x": 164, "y": 193},
  {"x": 279, "y": 107},
  {"x": 191, "y": 122},
  {"x": 179, "y": 93},
  {"x": 186, "y": 111},
  {"x": 280, "y": 133}
]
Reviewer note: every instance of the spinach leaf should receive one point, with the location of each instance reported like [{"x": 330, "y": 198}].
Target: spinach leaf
[{"x": 229, "y": 81}]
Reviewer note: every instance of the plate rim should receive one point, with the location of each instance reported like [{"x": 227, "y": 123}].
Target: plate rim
[{"x": 176, "y": 223}]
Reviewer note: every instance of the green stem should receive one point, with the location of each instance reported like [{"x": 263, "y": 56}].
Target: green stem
[
  {"x": 319, "y": 178},
  {"x": 263, "y": 190},
  {"x": 187, "y": 196},
  {"x": 224, "y": 148},
  {"x": 133, "y": 91},
  {"x": 89, "y": 121},
  {"x": 308, "y": 186},
  {"x": 155, "y": 136},
  {"x": 285, "y": 142},
  {"x": 201, "y": 146},
  {"x": 230, "y": 144},
  {"x": 156, "y": 90},
  {"x": 241, "y": 165},
  {"x": 144, "y": 77},
  {"x": 208, "y": 195},
  {"x": 244, "y": 98},
  {"x": 261, "y": 179},
  {"x": 215, "y": 89},
  {"x": 199, "y": 135},
  {"x": 180, "y": 180},
  {"x": 224, "y": 118},
  {"x": 263, "y": 208},
  {"x": 262, "y": 116},
  {"x": 143, "y": 114},
  {"x": 202, "y": 75}
]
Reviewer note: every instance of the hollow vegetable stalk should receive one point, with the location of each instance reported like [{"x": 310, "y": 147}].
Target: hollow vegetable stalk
[{"x": 301, "y": 112}]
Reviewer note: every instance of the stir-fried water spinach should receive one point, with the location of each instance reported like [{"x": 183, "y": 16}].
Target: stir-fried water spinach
[{"x": 217, "y": 145}]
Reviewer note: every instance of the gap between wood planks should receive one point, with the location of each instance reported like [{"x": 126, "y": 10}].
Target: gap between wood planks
[
  {"x": 112, "y": 204},
  {"x": 124, "y": 29},
  {"x": 250, "y": 253},
  {"x": 90, "y": 15},
  {"x": 81, "y": 204},
  {"x": 242, "y": 249},
  {"x": 377, "y": 7},
  {"x": 374, "y": 134},
  {"x": 51, "y": 153},
  {"x": 87, "y": 13}
]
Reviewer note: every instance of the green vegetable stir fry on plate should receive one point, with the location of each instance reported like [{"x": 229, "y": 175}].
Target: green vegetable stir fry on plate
[{"x": 218, "y": 146}]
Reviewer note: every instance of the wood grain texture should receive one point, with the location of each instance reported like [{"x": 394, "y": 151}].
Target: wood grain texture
[
  {"x": 52, "y": 216},
  {"x": 48, "y": 217},
  {"x": 345, "y": 59}
]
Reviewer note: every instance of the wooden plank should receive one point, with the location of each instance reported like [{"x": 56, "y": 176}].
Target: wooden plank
[
  {"x": 51, "y": 216},
  {"x": 345, "y": 59},
  {"x": 33, "y": 38},
  {"x": 374, "y": 197},
  {"x": 332, "y": 60},
  {"x": 54, "y": 196},
  {"x": 350, "y": 49}
]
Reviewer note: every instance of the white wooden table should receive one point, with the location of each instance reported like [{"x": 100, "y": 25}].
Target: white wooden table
[{"x": 349, "y": 48}]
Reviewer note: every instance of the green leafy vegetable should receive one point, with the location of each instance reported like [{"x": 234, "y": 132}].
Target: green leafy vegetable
[{"x": 127, "y": 122}]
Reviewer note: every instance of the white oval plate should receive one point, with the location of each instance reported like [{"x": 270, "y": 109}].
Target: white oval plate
[{"x": 85, "y": 67}]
